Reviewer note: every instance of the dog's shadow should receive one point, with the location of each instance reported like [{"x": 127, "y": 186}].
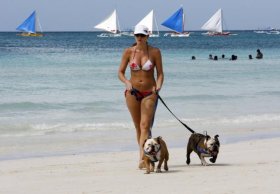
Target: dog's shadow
[
  {"x": 170, "y": 171},
  {"x": 222, "y": 164},
  {"x": 177, "y": 168},
  {"x": 199, "y": 165}
]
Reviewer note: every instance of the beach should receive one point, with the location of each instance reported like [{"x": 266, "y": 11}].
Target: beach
[
  {"x": 65, "y": 127},
  {"x": 244, "y": 167}
]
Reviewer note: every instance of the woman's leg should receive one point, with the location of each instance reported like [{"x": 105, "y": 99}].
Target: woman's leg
[
  {"x": 134, "y": 108},
  {"x": 147, "y": 115}
]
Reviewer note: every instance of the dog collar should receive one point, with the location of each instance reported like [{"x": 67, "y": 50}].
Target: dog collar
[
  {"x": 201, "y": 150},
  {"x": 152, "y": 156}
]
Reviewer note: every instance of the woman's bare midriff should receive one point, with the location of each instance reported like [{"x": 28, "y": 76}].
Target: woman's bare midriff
[{"x": 143, "y": 80}]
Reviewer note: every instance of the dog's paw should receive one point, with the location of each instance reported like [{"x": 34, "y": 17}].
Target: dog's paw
[
  {"x": 188, "y": 161},
  {"x": 204, "y": 164},
  {"x": 158, "y": 170},
  {"x": 166, "y": 168},
  {"x": 212, "y": 160}
]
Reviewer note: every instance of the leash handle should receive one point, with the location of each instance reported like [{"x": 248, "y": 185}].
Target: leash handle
[{"x": 191, "y": 130}]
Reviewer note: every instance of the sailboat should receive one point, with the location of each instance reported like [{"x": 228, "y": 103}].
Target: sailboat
[
  {"x": 214, "y": 25},
  {"x": 149, "y": 21},
  {"x": 30, "y": 25},
  {"x": 268, "y": 30},
  {"x": 111, "y": 25},
  {"x": 176, "y": 23}
]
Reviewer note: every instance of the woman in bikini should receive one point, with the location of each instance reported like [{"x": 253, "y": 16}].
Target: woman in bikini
[{"x": 142, "y": 87}]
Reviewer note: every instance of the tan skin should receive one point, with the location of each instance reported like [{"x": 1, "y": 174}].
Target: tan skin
[{"x": 142, "y": 112}]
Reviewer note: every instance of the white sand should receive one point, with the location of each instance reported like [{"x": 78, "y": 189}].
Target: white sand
[{"x": 246, "y": 167}]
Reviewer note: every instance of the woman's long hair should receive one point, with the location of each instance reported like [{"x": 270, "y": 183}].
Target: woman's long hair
[{"x": 134, "y": 44}]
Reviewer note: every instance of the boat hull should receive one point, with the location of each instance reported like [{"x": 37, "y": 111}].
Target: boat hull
[
  {"x": 106, "y": 35},
  {"x": 185, "y": 34},
  {"x": 218, "y": 33},
  {"x": 30, "y": 34},
  {"x": 154, "y": 35}
]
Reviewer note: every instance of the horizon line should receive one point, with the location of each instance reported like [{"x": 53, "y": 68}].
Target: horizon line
[{"x": 128, "y": 30}]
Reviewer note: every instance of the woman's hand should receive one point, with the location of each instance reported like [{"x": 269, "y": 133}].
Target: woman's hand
[
  {"x": 156, "y": 90},
  {"x": 128, "y": 85}
]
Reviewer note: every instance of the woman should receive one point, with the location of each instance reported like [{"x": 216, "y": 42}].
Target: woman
[{"x": 142, "y": 87}]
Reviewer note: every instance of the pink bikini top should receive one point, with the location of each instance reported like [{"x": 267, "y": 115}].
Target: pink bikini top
[{"x": 148, "y": 65}]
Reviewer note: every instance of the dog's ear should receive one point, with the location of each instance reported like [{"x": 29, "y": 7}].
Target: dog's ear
[
  {"x": 217, "y": 140},
  {"x": 207, "y": 137},
  {"x": 158, "y": 139},
  {"x": 216, "y": 137}
]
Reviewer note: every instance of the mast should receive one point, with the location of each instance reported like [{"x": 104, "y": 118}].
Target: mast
[
  {"x": 118, "y": 23},
  {"x": 183, "y": 24},
  {"x": 222, "y": 25},
  {"x": 156, "y": 24},
  {"x": 38, "y": 23}
]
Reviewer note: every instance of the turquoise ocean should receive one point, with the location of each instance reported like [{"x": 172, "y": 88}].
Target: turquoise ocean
[{"x": 60, "y": 94}]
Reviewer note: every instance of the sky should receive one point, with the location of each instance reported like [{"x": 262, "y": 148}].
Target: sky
[{"x": 83, "y": 15}]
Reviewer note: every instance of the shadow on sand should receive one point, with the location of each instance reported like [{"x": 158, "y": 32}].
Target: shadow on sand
[{"x": 199, "y": 165}]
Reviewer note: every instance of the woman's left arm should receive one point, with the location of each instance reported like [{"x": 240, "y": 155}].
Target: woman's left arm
[{"x": 159, "y": 69}]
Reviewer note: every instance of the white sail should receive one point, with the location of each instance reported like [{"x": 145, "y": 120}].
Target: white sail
[
  {"x": 148, "y": 21},
  {"x": 215, "y": 23},
  {"x": 110, "y": 24},
  {"x": 38, "y": 25}
]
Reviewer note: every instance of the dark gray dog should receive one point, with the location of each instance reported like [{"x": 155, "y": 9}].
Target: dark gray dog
[{"x": 204, "y": 146}]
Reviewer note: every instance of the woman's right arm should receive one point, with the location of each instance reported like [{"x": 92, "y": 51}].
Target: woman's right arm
[{"x": 122, "y": 68}]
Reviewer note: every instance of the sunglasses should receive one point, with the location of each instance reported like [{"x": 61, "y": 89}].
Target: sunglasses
[{"x": 140, "y": 35}]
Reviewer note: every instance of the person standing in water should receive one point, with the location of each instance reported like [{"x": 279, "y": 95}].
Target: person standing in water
[{"x": 142, "y": 87}]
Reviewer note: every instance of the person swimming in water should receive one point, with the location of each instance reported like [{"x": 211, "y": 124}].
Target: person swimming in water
[
  {"x": 259, "y": 54},
  {"x": 142, "y": 87}
]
